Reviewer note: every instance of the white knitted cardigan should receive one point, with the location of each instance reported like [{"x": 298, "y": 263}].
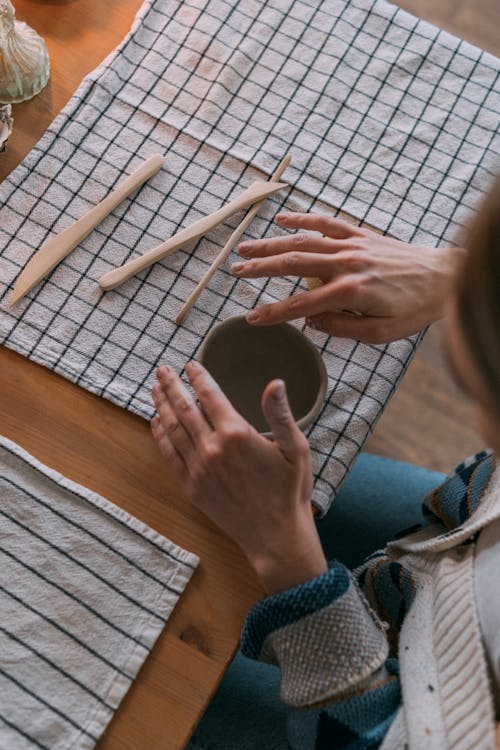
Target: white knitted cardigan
[{"x": 443, "y": 666}]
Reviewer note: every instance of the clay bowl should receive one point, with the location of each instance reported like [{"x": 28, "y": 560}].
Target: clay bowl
[{"x": 243, "y": 359}]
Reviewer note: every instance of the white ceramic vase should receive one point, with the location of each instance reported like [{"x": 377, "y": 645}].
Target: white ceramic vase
[
  {"x": 6, "y": 121},
  {"x": 24, "y": 62}
]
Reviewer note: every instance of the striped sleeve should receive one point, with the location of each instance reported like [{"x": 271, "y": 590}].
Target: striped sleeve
[
  {"x": 456, "y": 499},
  {"x": 332, "y": 651}
]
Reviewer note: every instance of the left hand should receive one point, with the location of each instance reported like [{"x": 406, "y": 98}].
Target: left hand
[{"x": 256, "y": 490}]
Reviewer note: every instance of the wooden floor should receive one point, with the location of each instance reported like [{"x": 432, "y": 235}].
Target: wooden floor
[{"x": 429, "y": 422}]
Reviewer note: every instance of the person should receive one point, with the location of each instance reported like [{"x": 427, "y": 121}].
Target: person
[{"x": 401, "y": 649}]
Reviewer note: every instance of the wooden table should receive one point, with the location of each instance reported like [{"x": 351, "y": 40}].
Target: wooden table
[{"x": 111, "y": 451}]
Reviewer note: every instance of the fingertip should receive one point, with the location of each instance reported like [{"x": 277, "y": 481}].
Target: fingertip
[
  {"x": 244, "y": 249},
  {"x": 278, "y": 391},
  {"x": 314, "y": 323},
  {"x": 291, "y": 217},
  {"x": 163, "y": 371},
  {"x": 275, "y": 400},
  {"x": 199, "y": 375},
  {"x": 192, "y": 367},
  {"x": 254, "y": 316},
  {"x": 157, "y": 393},
  {"x": 273, "y": 390}
]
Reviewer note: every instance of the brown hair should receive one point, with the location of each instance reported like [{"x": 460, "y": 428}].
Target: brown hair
[{"x": 479, "y": 294}]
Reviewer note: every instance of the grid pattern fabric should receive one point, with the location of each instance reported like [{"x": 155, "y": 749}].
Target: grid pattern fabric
[
  {"x": 387, "y": 119},
  {"x": 85, "y": 590}
]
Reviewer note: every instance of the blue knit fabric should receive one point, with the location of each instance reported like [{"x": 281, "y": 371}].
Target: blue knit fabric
[
  {"x": 393, "y": 588},
  {"x": 458, "y": 497},
  {"x": 358, "y": 723}
]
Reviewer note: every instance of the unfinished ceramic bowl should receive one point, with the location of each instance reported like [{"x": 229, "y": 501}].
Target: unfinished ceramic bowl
[
  {"x": 24, "y": 62},
  {"x": 243, "y": 359}
]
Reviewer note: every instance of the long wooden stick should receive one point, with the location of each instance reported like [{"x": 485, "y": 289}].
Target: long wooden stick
[
  {"x": 256, "y": 192},
  {"x": 226, "y": 250}
]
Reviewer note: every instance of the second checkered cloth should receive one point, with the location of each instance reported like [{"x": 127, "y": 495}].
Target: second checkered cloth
[{"x": 386, "y": 118}]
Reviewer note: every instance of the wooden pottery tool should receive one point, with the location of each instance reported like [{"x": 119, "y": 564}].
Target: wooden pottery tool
[
  {"x": 256, "y": 192},
  {"x": 226, "y": 250},
  {"x": 57, "y": 248}
]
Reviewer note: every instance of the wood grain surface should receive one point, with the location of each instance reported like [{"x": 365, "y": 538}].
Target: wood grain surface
[{"x": 112, "y": 452}]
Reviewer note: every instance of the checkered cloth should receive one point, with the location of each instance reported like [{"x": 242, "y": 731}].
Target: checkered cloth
[
  {"x": 387, "y": 119},
  {"x": 85, "y": 590}
]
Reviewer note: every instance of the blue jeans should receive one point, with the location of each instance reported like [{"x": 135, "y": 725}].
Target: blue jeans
[{"x": 379, "y": 499}]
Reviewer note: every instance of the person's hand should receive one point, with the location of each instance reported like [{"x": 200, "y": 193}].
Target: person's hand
[
  {"x": 374, "y": 288},
  {"x": 256, "y": 490}
]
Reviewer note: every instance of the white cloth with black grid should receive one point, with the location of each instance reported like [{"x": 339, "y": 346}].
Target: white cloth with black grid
[
  {"x": 388, "y": 120},
  {"x": 85, "y": 590}
]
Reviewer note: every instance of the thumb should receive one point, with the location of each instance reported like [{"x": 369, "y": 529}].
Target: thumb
[{"x": 279, "y": 417}]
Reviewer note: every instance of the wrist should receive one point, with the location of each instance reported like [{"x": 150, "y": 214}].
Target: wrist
[
  {"x": 451, "y": 262},
  {"x": 285, "y": 575},
  {"x": 290, "y": 561}
]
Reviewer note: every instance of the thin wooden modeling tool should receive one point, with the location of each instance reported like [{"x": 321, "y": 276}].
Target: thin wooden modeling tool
[
  {"x": 57, "y": 248},
  {"x": 226, "y": 250},
  {"x": 256, "y": 192}
]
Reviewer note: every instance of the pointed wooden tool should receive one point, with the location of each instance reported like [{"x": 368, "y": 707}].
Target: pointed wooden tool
[
  {"x": 57, "y": 248},
  {"x": 226, "y": 250},
  {"x": 256, "y": 192}
]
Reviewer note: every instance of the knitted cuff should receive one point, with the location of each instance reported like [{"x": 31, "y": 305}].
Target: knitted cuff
[
  {"x": 289, "y": 606},
  {"x": 324, "y": 637}
]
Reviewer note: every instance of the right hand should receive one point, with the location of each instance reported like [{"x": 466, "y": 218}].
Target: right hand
[{"x": 395, "y": 288}]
